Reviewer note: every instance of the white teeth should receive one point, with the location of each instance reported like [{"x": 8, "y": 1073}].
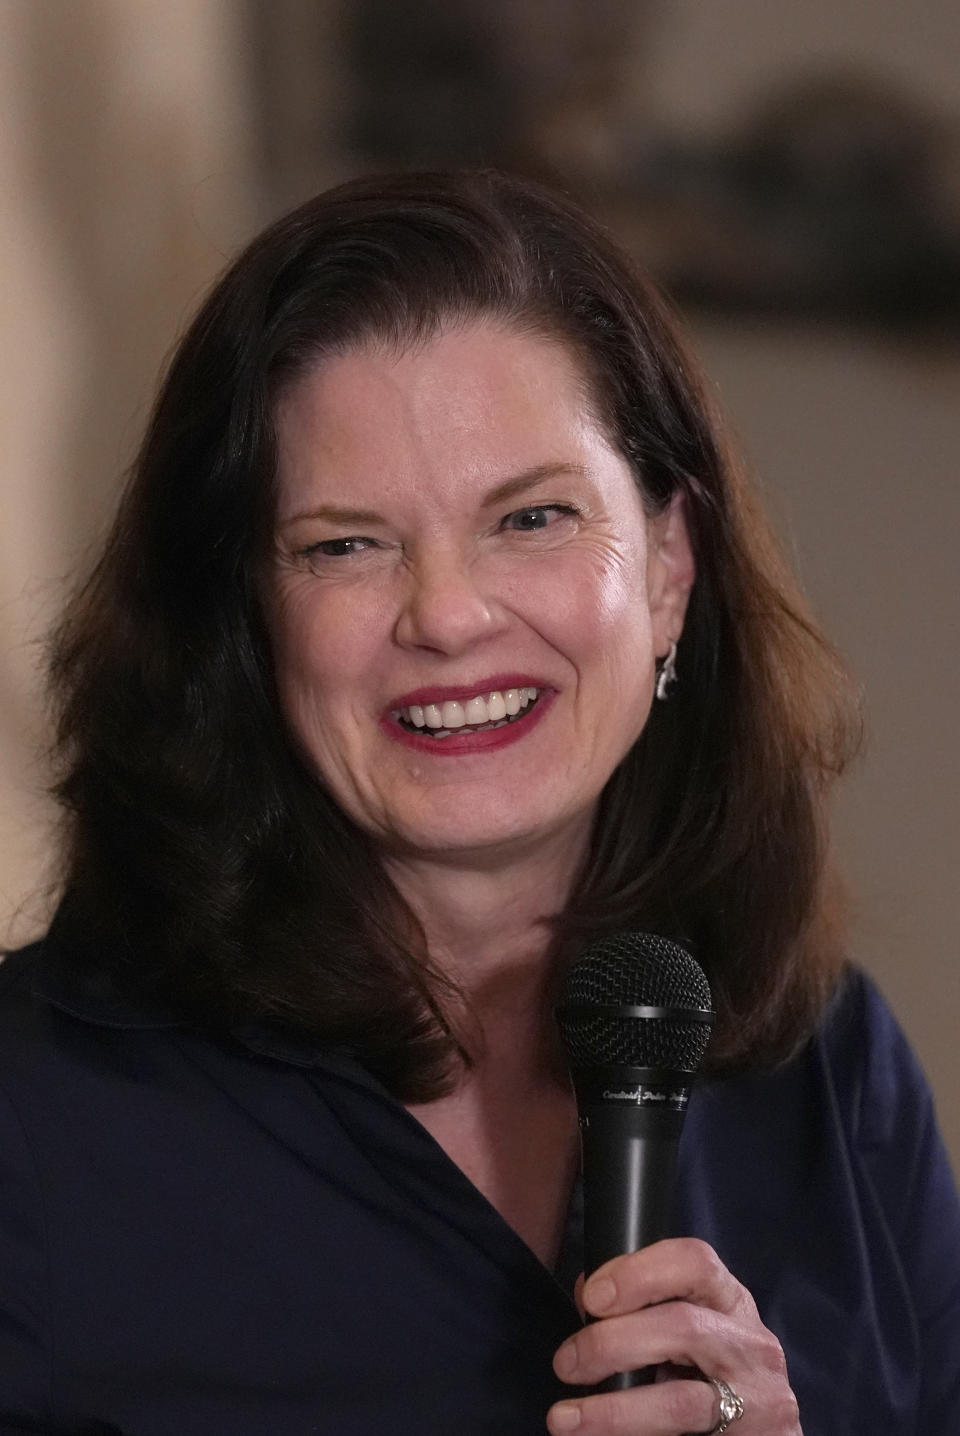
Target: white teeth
[
  {"x": 474, "y": 712},
  {"x": 477, "y": 711}
]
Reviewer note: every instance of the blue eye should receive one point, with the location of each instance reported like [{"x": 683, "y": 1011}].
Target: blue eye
[{"x": 538, "y": 516}]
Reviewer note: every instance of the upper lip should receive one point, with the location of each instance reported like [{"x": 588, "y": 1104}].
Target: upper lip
[{"x": 449, "y": 693}]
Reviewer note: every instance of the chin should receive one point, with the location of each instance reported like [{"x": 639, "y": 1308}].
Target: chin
[{"x": 490, "y": 842}]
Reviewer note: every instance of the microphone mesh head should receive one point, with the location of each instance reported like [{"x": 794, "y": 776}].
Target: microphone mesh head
[{"x": 636, "y": 969}]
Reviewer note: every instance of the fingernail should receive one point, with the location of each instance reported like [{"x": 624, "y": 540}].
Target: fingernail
[
  {"x": 565, "y": 1417},
  {"x": 565, "y": 1360},
  {"x": 600, "y": 1294}
]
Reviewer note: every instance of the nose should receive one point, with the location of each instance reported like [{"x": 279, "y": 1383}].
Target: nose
[{"x": 444, "y": 607}]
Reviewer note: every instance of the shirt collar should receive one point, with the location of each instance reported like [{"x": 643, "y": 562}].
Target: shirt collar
[{"x": 88, "y": 992}]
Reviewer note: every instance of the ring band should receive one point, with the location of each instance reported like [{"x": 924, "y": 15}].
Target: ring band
[{"x": 731, "y": 1405}]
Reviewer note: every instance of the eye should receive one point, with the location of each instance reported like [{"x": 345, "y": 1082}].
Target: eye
[
  {"x": 538, "y": 516},
  {"x": 335, "y": 548}
]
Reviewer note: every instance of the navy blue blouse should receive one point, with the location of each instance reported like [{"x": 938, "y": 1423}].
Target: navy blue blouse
[{"x": 252, "y": 1238}]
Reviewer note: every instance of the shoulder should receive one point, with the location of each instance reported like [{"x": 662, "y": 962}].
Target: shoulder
[
  {"x": 24, "y": 1254},
  {"x": 22, "y": 1018},
  {"x": 16, "y": 970},
  {"x": 882, "y": 1094},
  {"x": 886, "y": 1105},
  {"x": 57, "y": 978},
  {"x": 877, "y": 1077},
  {"x": 70, "y": 1047}
]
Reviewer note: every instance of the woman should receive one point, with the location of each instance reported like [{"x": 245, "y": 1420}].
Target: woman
[{"x": 435, "y": 636}]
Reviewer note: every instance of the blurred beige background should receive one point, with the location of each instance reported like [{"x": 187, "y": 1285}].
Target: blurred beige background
[{"x": 141, "y": 143}]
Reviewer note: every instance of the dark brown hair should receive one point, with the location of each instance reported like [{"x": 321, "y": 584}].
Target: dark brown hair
[{"x": 208, "y": 867}]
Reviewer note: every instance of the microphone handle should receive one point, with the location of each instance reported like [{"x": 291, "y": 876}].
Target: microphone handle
[{"x": 629, "y": 1167}]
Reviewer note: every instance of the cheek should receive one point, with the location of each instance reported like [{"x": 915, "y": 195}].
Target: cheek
[
  {"x": 315, "y": 651},
  {"x": 599, "y": 609}
]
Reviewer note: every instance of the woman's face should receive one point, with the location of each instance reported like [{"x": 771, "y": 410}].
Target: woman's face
[{"x": 466, "y": 597}]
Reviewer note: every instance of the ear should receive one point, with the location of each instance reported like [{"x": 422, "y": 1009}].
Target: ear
[{"x": 670, "y": 573}]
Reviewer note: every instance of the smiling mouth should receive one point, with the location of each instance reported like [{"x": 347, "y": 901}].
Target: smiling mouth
[{"x": 475, "y": 715}]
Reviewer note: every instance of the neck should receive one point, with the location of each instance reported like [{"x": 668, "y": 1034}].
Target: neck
[{"x": 488, "y": 928}]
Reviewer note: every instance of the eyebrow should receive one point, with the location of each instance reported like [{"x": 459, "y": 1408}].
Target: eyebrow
[
  {"x": 530, "y": 478},
  {"x": 502, "y": 493},
  {"x": 333, "y": 515}
]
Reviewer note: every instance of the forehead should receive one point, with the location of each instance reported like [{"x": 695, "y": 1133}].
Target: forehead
[
  {"x": 471, "y": 356},
  {"x": 478, "y": 394}
]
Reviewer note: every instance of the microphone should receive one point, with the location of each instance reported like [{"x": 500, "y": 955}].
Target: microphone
[{"x": 635, "y": 1018}]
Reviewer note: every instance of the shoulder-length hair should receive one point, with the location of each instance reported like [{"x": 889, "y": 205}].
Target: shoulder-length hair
[{"x": 205, "y": 863}]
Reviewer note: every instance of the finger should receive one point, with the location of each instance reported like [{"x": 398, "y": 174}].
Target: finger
[
  {"x": 680, "y": 1269},
  {"x": 664, "y": 1410},
  {"x": 676, "y": 1332}
]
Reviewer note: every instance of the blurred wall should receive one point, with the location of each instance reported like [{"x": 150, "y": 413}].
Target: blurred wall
[
  {"x": 135, "y": 157},
  {"x": 126, "y": 168},
  {"x": 711, "y": 57}
]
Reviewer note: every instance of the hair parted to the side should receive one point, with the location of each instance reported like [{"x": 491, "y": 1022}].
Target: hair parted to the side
[{"x": 207, "y": 866}]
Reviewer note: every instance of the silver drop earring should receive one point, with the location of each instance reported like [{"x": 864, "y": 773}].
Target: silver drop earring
[{"x": 667, "y": 674}]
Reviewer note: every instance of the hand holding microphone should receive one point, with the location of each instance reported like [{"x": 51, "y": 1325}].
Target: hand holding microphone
[{"x": 674, "y": 1343}]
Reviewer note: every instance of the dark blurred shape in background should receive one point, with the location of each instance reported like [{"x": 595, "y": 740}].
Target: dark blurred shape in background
[
  {"x": 540, "y": 87},
  {"x": 836, "y": 196},
  {"x": 521, "y": 85}
]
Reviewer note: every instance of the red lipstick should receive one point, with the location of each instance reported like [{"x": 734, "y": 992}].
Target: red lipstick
[{"x": 459, "y": 743}]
